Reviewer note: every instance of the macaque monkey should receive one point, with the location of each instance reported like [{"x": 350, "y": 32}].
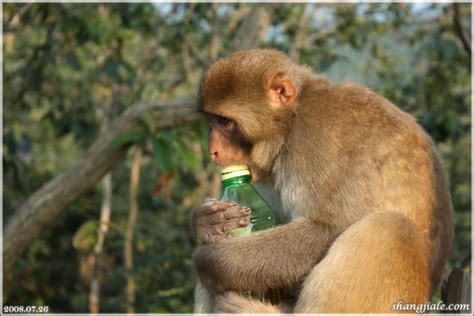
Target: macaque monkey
[{"x": 358, "y": 186}]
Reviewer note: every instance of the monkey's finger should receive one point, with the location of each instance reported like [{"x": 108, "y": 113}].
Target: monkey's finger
[
  {"x": 211, "y": 233},
  {"x": 215, "y": 238},
  {"x": 215, "y": 206},
  {"x": 212, "y": 238},
  {"x": 222, "y": 205},
  {"x": 236, "y": 211},
  {"x": 229, "y": 213},
  {"x": 238, "y": 223},
  {"x": 223, "y": 228},
  {"x": 217, "y": 229}
]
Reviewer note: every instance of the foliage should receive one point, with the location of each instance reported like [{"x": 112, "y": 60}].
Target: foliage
[{"x": 70, "y": 68}]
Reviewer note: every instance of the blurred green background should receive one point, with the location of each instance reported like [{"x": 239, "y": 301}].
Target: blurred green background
[{"x": 69, "y": 69}]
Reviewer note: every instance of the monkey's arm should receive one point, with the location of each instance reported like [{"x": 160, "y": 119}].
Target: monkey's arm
[{"x": 273, "y": 258}]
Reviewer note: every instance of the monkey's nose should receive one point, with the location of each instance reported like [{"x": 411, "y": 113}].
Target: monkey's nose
[{"x": 213, "y": 155}]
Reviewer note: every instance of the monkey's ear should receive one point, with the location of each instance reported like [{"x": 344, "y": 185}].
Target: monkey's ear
[{"x": 282, "y": 90}]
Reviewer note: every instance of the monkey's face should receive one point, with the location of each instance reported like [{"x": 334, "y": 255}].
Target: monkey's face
[
  {"x": 233, "y": 140},
  {"x": 250, "y": 102},
  {"x": 227, "y": 144}
]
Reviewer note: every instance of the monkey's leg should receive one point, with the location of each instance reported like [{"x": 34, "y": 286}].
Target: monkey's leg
[
  {"x": 203, "y": 300},
  {"x": 375, "y": 263},
  {"x": 234, "y": 303}
]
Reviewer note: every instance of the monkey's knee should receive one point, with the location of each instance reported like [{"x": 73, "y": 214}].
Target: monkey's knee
[
  {"x": 374, "y": 264},
  {"x": 234, "y": 303}
]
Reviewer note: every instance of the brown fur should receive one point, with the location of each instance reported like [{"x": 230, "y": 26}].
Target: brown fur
[{"x": 362, "y": 185}]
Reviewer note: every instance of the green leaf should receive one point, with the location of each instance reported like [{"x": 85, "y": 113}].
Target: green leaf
[
  {"x": 190, "y": 159},
  {"x": 448, "y": 49},
  {"x": 186, "y": 154},
  {"x": 127, "y": 139},
  {"x": 86, "y": 236},
  {"x": 161, "y": 151}
]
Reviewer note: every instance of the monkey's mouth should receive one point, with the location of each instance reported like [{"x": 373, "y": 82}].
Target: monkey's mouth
[{"x": 256, "y": 174}]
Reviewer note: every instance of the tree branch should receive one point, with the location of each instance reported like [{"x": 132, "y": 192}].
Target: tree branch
[
  {"x": 53, "y": 198},
  {"x": 466, "y": 43},
  {"x": 307, "y": 11},
  {"x": 216, "y": 39},
  {"x": 202, "y": 61},
  {"x": 252, "y": 30}
]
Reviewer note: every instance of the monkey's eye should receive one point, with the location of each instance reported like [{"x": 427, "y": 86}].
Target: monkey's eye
[{"x": 223, "y": 121}]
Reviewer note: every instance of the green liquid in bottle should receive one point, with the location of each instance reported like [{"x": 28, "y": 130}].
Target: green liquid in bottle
[{"x": 237, "y": 187}]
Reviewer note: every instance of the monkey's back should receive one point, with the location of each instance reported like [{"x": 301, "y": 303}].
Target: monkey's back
[{"x": 371, "y": 156}]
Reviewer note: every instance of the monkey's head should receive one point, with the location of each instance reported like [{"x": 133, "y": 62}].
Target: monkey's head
[{"x": 250, "y": 99}]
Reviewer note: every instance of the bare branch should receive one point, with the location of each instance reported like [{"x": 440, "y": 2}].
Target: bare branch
[
  {"x": 216, "y": 37},
  {"x": 15, "y": 19},
  {"x": 106, "y": 208},
  {"x": 202, "y": 61},
  {"x": 132, "y": 218},
  {"x": 299, "y": 39},
  {"x": 52, "y": 199},
  {"x": 186, "y": 61},
  {"x": 252, "y": 30},
  {"x": 44, "y": 206},
  {"x": 466, "y": 42},
  {"x": 236, "y": 17}
]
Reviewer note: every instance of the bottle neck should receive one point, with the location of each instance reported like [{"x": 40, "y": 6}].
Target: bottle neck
[{"x": 236, "y": 180}]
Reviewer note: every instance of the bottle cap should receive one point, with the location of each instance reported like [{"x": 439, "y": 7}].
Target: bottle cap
[{"x": 234, "y": 171}]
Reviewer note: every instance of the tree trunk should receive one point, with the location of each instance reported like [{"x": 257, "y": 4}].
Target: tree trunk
[
  {"x": 465, "y": 40},
  {"x": 132, "y": 218},
  {"x": 254, "y": 28},
  {"x": 94, "y": 295},
  {"x": 52, "y": 199},
  {"x": 307, "y": 10}
]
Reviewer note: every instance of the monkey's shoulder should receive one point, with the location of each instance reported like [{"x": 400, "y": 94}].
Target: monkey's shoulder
[{"x": 363, "y": 106}]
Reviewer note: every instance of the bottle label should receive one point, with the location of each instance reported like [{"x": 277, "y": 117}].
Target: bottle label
[{"x": 244, "y": 231}]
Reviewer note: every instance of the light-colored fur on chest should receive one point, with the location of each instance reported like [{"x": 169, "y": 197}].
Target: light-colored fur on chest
[{"x": 286, "y": 192}]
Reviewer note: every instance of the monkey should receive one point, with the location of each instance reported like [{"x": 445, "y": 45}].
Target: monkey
[
  {"x": 216, "y": 217},
  {"x": 358, "y": 186}
]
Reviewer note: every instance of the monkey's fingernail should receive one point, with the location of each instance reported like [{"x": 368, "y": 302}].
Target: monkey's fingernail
[
  {"x": 244, "y": 220},
  {"x": 246, "y": 210}
]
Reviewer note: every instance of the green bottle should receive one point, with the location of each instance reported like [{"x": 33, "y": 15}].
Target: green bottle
[{"x": 237, "y": 187}]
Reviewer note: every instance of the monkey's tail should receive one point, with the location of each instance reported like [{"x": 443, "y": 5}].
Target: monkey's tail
[{"x": 233, "y": 302}]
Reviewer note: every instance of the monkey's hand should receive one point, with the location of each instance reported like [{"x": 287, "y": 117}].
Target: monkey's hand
[
  {"x": 213, "y": 219},
  {"x": 273, "y": 258}
]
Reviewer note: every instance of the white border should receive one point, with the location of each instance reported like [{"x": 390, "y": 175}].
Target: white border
[{"x": 221, "y": 1}]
